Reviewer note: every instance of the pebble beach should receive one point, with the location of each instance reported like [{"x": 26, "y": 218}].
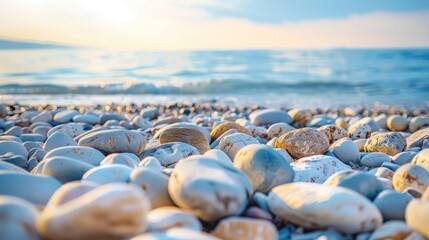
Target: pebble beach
[{"x": 208, "y": 170}]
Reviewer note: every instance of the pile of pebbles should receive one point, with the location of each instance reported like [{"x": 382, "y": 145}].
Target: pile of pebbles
[{"x": 212, "y": 171}]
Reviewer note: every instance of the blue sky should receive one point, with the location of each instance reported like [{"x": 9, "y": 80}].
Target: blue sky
[
  {"x": 218, "y": 24},
  {"x": 278, "y": 11}
]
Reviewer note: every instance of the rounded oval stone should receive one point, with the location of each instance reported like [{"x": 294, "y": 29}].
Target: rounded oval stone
[
  {"x": 403, "y": 157},
  {"x": 269, "y": 116},
  {"x": 303, "y": 142},
  {"x": 241, "y": 228},
  {"x": 185, "y": 125},
  {"x": 417, "y": 216},
  {"x": 264, "y": 166},
  {"x": 13, "y": 147},
  {"x": 375, "y": 159},
  {"x": 108, "y": 174},
  {"x": 120, "y": 158},
  {"x": 154, "y": 183},
  {"x": 86, "y": 154},
  {"x": 65, "y": 169},
  {"x": 389, "y": 143},
  {"x": 416, "y": 123},
  {"x": 170, "y": 153},
  {"x": 191, "y": 136},
  {"x": 300, "y": 116},
  {"x": 33, "y": 188},
  {"x": 333, "y": 132},
  {"x": 416, "y": 139},
  {"x": 115, "y": 141},
  {"x": 317, "y": 168},
  {"x": 278, "y": 129},
  {"x": 361, "y": 182},
  {"x": 209, "y": 189},
  {"x": 392, "y": 204},
  {"x": 58, "y": 139},
  {"x": 164, "y": 218},
  {"x": 226, "y": 126},
  {"x": 422, "y": 159},
  {"x": 86, "y": 118},
  {"x": 18, "y": 219},
  {"x": 310, "y": 205},
  {"x": 410, "y": 175},
  {"x": 397, "y": 123},
  {"x": 111, "y": 211},
  {"x": 11, "y": 167},
  {"x": 346, "y": 150},
  {"x": 65, "y": 116},
  {"x": 232, "y": 143}
]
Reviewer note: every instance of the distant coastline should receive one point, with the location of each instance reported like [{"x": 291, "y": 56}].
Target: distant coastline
[{"x": 9, "y": 44}]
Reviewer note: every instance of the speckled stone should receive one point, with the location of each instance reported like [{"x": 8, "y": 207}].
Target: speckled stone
[
  {"x": 422, "y": 159},
  {"x": 208, "y": 188},
  {"x": 411, "y": 175},
  {"x": 170, "y": 153},
  {"x": 241, "y": 228},
  {"x": 303, "y": 142},
  {"x": 72, "y": 129},
  {"x": 389, "y": 143},
  {"x": 333, "y": 132},
  {"x": 115, "y": 141},
  {"x": 310, "y": 205},
  {"x": 278, "y": 129},
  {"x": 317, "y": 168},
  {"x": 264, "y": 166},
  {"x": 359, "y": 131},
  {"x": 231, "y": 144},
  {"x": 111, "y": 211}
]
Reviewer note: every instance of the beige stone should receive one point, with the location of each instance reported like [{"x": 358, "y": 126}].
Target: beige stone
[
  {"x": 191, "y": 136},
  {"x": 333, "y": 132},
  {"x": 241, "y": 228},
  {"x": 232, "y": 143},
  {"x": 416, "y": 123},
  {"x": 303, "y": 142},
  {"x": 164, "y": 218},
  {"x": 278, "y": 129},
  {"x": 223, "y": 127},
  {"x": 111, "y": 211},
  {"x": 390, "y": 143},
  {"x": 397, "y": 123},
  {"x": 410, "y": 175}
]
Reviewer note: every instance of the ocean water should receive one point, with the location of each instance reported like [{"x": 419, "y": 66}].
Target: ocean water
[{"x": 294, "y": 78}]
